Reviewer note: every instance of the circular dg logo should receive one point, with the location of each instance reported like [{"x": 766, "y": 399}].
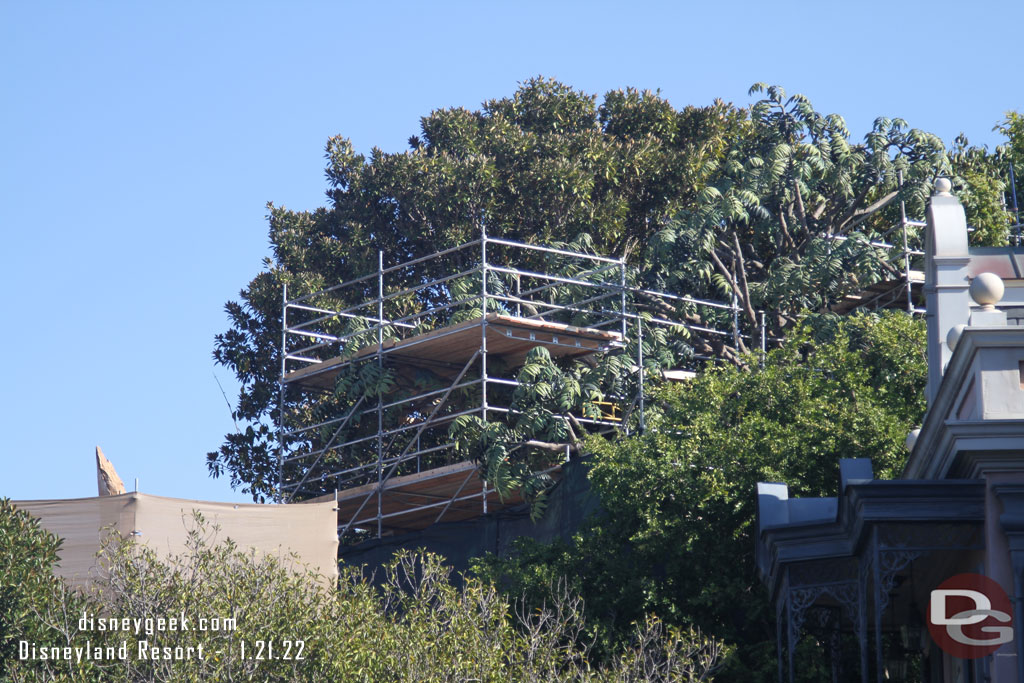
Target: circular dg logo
[{"x": 970, "y": 616}]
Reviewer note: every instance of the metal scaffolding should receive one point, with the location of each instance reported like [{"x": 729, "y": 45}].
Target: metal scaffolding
[
  {"x": 906, "y": 291},
  {"x": 1014, "y": 208},
  {"x": 449, "y": 331},
  {"x": 903, "y": 292}
]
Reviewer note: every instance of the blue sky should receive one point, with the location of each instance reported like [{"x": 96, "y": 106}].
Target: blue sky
[{"x": 140, "y": 142}]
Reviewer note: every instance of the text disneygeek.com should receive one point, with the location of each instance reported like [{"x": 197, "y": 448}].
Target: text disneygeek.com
[{"x": 140, "y": 647}]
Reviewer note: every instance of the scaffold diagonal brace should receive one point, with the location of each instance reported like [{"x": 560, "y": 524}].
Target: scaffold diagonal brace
[
  {"x": 419, "y": 431},
  {"x": 309, "y": 470}
]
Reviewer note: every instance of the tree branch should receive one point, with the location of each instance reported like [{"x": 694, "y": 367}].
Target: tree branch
[
  {"x": 735, "y": 288},
  {"x": 858, "y": 217},
  {"x": 548, "y": 446},
  {"x": 748, "y": 308},
  {"x": 785, "y": 228},
  {"x": 840, "y": 222},
  {"x": 820, "y": 209},
  {"x": 800, "y": 207},
  {"x": 575, "y": 428}
]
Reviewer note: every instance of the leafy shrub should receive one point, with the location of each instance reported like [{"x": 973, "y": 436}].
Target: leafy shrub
[
  {"x": 27, "y": 553},
  {"x": 410, "y": 623},
  {"x": 678, "y": 536}
]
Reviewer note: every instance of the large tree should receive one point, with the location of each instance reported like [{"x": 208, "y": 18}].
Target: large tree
[
  {"x": 547, "y": 164},
  {"x": 796, "y": 215},
  {"x": 772, "y": 204}
]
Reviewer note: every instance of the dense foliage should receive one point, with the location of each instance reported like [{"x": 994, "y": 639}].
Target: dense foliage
[
  {"x": 412, "y": 625},
  {"x": 677, "y": 537},
  {"x": 546, "y": 165},
  {"x": 772, "y": 204},
  {"x": 1013, "y": 152},
  {"x": 795, "y": 214},
  {"x": 27, "y": 551}
]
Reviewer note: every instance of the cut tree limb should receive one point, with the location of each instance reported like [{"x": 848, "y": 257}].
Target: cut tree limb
[
  {"x": 107, "y": 481},
  {"x": 548, "y": 446}
]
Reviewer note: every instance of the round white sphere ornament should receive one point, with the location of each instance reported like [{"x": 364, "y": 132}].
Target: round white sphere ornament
[
  {"x": 953, "y": 336},
  {"x": 987, "y": 289}
]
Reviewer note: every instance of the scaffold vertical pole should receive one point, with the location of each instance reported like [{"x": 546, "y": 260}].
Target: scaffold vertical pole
[
  {"x": 622, "y": 314},
  {"x": 483, "y": 344},
  {"x": 519, "y": 293},
  {"x": 622, "y": 304},
  {"x": 640, "y": 366},
  {"x": 380, "y": 398},
  {"x": 1016, "y": 207},
  {"x": 280, "y": 392},
  {"x": 906, "y": 250},
  {"x": 764, "y": 337},
  {"x": 735, "y": 321}
]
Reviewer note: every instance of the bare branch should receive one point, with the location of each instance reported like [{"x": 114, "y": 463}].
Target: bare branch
[
  {"x": 859, "y": 217},
  {"x": 800, "y": 207},
  {"x": 785, "y": 228},
  {"x": 548, "y": 446},
  {"x": 745, "y": 296}
]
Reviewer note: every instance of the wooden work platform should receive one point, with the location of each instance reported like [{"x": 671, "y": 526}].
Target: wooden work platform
[
  {"x": 509, "y": 337},
  {"x": 415, "y": 501},
  {"x": 886, "y": 294}
]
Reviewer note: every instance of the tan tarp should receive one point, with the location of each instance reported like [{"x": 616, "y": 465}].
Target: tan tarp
[{"x": 309, "y": 531}]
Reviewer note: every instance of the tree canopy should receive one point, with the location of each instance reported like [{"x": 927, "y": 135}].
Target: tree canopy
[{"x": 772, "y": 204}]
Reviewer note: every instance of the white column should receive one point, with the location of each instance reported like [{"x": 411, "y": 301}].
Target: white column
[{"x": 946, "y": 281}]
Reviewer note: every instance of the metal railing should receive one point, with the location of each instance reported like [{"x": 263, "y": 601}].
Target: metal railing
[{"x": 369, "y": 319}]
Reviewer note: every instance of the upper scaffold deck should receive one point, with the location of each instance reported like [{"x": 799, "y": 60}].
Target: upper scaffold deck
[
  {"x": 509, "y": 337},
  {"x": 882, "y": 294}
]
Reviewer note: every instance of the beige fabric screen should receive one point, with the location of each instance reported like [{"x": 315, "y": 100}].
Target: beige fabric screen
[{"x": 309, "y": 531}]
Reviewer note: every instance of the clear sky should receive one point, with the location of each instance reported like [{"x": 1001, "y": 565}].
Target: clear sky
[{"x": 140, "y": 142}]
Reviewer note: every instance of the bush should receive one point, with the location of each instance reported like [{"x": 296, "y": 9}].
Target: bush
[
  {"x": 409, "y": 623},
  {"x": 27, "y": 554}
]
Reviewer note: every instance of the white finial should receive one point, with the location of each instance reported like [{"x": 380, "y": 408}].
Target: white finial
[
  {"x": 987, "y": 289},
  {"x": 912, "y": 438},
  {"x": 953, "y": 336},
  {"x": 943, "y": 186}
]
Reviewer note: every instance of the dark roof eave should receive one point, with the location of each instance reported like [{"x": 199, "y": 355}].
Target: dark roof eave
[{"x": 865, "y": 504}]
